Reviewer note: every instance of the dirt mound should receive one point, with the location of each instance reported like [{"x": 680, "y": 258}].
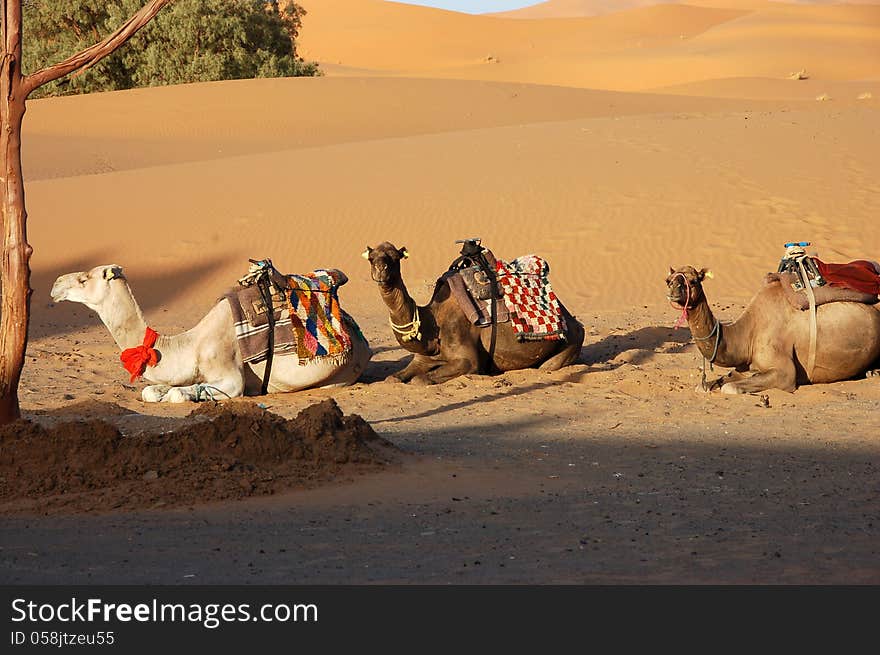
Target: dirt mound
[
  {"x": 220, "y": 452},
  {"x": 86, "y": 409}
]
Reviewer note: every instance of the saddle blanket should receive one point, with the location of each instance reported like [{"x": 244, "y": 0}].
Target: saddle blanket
[
  {"x": 308, "y": 318},
  {"x": 316, "y": 314},
  {"x": 860, "y": 275},
  {"x": 252, "y": 324},
  {"x": 534, "y": 309}
]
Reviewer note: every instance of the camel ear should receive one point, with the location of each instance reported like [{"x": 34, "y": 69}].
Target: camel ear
[
  {"x": 366, "y": 253},
  {"x": 404, "y": 252},
  {"x": 112, "y": 273},
  {"x": 705, "y": 273},
  {"x": 671, "y": 270}
]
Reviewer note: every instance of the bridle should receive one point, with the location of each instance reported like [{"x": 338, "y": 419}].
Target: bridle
[{"x": 683, "y": 317}]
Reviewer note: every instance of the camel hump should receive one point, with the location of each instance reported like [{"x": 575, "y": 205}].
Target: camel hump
[{"x": 771, "y": 278}]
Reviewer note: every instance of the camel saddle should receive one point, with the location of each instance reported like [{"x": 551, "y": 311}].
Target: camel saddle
[
  {"x": 856, "y": 281},
  {"x": 251, "y": 316},
  {"x": 472, "y": 289},
  {"x": 518, "y": 291},
  {"x": 305, "y": 316}
]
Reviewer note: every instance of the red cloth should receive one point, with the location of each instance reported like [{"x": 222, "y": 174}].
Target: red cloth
[
  {"x": 135, "y": 360},
  {"x": 860, "y": 275}
]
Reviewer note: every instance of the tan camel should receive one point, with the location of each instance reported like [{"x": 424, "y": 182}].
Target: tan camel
[
  {"x": 448, "y": 344},
  {"x": 204, "y": 362},
  {"x": 772, "y": 338}
]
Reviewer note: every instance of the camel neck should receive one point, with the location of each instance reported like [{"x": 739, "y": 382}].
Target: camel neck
[
  {"x": 400, "y": 304},
  {"x": 122, "y": 316},
  {"x": 704, "y": 329},
  {"x": 402, "y": 309}
]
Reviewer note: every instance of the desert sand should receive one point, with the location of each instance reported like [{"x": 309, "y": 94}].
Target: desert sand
[{"x": 613, "y": 143}]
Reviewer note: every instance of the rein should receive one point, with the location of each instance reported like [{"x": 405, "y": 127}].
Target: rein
[{"x": 716, "y": 330}]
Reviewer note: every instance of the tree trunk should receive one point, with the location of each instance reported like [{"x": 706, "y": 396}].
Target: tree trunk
[
  {"x": 16, "y": 253},
  {"x": 15, "y": 272}
]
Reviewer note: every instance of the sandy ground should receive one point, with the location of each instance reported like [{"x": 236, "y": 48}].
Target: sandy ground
[{"x": 614, "y": 145}]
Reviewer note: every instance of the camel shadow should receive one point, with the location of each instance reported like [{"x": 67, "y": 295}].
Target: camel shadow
[
  {"x": 153, "y": 290},
  {"x": 646, "y": 341},
  {"x": 378, "y": 371},
  {"x": 503, "y": 392}
]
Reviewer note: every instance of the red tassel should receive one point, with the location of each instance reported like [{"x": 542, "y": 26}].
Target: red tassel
[{"x": 135, "y": 360}]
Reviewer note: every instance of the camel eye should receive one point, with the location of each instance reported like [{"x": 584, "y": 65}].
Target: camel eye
[{"x": 82, "y": 279}]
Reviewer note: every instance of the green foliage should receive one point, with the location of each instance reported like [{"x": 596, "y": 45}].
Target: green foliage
[{"x": 188, "y": 41}]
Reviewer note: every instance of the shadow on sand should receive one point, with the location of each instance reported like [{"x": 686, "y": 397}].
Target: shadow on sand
[
  {"x": 153, "y": 290},
  {"x": 646, "y": 341}
]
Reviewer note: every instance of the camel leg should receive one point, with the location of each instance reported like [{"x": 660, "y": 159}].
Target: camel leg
[
  {"x": 155, "y": 392},
  {"x": 468, "y": 361},
  {"x": 218, "y": 390},
  {"x": 419, "y": 365},
  {"x": 574, "y": 339},
  {"x": 775, "y": 378},
  {"x": 449, "y": 370}
]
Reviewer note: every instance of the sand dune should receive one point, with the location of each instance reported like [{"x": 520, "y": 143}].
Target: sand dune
[
  {"x": 627, "y": 190},
  {"x": 309, "y": 171},
  {"x": 576, "y": 8},
  {"x": 103, "y": 133},
  {"x": 638, "y": 49},
  {"x": 615, "y": 145},
  {"x": 582, "y": 8}
]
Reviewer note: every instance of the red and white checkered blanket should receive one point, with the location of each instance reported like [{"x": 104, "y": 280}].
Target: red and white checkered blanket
[{"x": 534, "y": 309}]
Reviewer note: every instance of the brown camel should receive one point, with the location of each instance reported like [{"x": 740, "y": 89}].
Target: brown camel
[
  {"x": 772, "y": 338},
  {"x": 446, "y": 344}
]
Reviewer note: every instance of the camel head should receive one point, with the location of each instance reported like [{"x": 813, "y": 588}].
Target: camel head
[
  {"x": 685, "y": 285},
  {"x": 88, "y": 287},
  {"x": 385, "y": 263}
]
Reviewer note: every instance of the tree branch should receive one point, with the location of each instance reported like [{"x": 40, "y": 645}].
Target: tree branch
[{"x": 92, "y": 55}]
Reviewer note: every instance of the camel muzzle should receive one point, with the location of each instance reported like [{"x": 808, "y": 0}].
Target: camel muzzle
[
  {"x": 382, "y": 276},
  {"x": 59, "y": 290}
]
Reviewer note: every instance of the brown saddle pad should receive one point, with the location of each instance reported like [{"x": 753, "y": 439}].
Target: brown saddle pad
[
  {"x": 798, "y": 298},
  {"x": 253, "y": 308},
  {"x": 478, "y": 284},
  {"x": 475, "y": 300},
  {"x": 251, "y": 320}
]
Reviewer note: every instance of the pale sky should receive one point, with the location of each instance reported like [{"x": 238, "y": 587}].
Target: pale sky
[{"x": 473, "y": 6}]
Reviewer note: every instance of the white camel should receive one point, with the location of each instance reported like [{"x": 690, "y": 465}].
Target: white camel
[{"x": 203, "y": 362}]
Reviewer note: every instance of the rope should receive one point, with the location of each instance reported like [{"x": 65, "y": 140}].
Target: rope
[
  {"x": 409, "y": 331},
  {"x": 716, "y": 330},
  {"x": 814, "y": 327},
  {"x": 478, "y": 258},
  {"x": 683, "y": 317},
  {"x": 208, "y": 391},
  {"x": 263, "y": 285}
]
